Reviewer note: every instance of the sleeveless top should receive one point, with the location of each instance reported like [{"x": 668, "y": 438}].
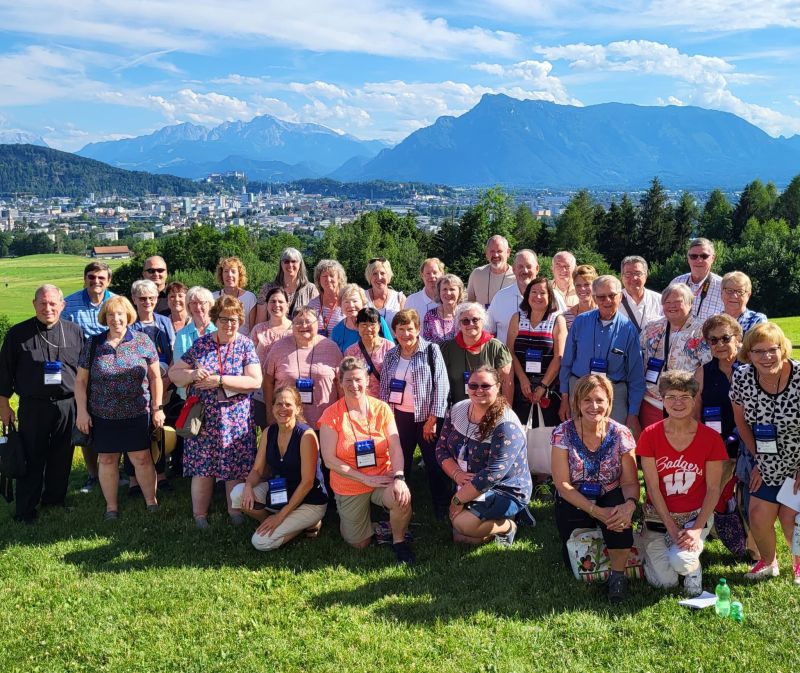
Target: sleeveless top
[
  {"x": 538, "y": 338},
  {"x": 289, "y": 467},
  {"x": 716, "y": 389}
]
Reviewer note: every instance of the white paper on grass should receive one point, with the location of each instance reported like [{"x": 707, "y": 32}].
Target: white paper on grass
[
  {"x": 787, "y": 496},
  {"x": 704, "y": 600}
]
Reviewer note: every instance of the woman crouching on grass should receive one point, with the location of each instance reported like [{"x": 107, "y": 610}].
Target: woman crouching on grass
[
  {"x": 284, "y": 489},
  {"x": 482, "y": 449}
]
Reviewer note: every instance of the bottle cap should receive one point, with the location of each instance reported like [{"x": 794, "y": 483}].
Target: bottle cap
[{"x": 722, "y": 580}]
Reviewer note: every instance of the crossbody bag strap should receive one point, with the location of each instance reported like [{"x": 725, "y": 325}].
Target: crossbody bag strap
[{"x": 372, "y": 369}]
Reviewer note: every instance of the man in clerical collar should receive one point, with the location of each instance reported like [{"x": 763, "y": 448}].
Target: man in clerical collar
[
  {"x": 155, "y": 269},
  {"x": 706, "y": 286},
  {"x": 487, "y": 280},
  {"x": 38, "y": 362},
  {"x": 639, "y": 305},
  {"x": 605, "y": 342}
]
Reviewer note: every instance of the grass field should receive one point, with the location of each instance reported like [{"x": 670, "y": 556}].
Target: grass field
[{"x": 20, "y": 276}]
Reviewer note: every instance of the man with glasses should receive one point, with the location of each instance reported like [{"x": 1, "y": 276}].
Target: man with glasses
[
  {"x": 83, "y": 307},
  {"x": 155, "y": 269},
  {"x": 639, "y": 305},
  {"x": 605, "y": 342},
  {"x": 487, "y": 280},
  {"x": 506, "y": 302},
  {"x": 706, "y": 286}
]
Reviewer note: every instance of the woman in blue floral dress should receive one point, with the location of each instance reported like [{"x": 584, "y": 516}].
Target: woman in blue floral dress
[{"x": 221, "y": 368}]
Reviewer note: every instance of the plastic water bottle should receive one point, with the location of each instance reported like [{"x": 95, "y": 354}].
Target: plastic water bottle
[
  {"x": 723, "y": 604},
  {"x": 737, "y": 612},
  {"x": 796, "y": 536}
]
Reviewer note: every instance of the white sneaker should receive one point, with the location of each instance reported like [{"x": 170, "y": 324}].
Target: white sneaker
[
  {"x": 762, "y": 571},
  {"x": 693, "y": 583}
]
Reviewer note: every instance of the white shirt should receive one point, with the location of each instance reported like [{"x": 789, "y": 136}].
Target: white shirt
[
  {"x": 646, "y": 310},
  {"x": 421, "y": 303},
  {"x": 504, "y": 305}
]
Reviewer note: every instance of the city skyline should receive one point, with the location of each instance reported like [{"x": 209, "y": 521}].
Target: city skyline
[{"x": 100, "y": 70}]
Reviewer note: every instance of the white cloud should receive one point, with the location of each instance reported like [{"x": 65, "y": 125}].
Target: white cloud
[
  {"x": 203, "y": 108},
  {"x": 533, "y": 75}
]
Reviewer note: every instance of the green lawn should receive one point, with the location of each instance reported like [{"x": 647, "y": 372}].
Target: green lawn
[
  {"x": 151, "y": 593},
  {"x": 20, "y": 276}
]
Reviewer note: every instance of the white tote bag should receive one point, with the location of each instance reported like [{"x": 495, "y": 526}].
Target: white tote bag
[{"x": 538, "y": 443}]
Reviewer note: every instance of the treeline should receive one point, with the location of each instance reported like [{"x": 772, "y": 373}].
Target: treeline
[
  {"x": 375, "y": 189},
  {"x": 757, "y": 235},
  {"x": 46, "y": 172}
]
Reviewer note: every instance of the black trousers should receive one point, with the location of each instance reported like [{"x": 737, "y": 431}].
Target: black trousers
[
  {"x": 46, "y": 430},
  {"x": 410, "y": 436}
]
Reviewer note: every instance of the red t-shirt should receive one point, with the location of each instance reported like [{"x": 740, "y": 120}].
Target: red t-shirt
[{"x": 681, "y": 474}]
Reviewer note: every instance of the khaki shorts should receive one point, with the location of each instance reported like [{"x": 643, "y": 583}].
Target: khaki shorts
[{"x": 354, "y": 514}]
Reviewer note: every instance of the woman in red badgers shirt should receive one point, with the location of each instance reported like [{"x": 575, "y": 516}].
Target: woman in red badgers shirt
[{"x": 682, "y": 462}]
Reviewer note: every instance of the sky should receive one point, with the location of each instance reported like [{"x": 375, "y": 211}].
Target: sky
[{"x": 92, "y": 70}]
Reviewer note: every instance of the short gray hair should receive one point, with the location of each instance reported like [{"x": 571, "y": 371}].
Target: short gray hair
[
  {"x": 606, "y": 280},
  {"x": 141, "y": 286},
  {"x": 469, "y": 306},
  {"x": 199, "y": 293},
  {"x": 678, "y": 288},
  {"x": 696, "y": 242},
  {"x": 527, "y": 251},
  {"x": 566, "y": 254},
  {"x": 501, "y": 239},
  {"x": 350, "y": 289},
  {"x": 634, "y": 259},
  {"x": 48, "y": 287}
]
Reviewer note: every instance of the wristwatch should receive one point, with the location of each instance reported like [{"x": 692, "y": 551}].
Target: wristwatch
[
  {"x": 160, "y": 407},
  {"x": 219, "y": 385},
  {"x": 456, "y": 501},
  {"x": 399, "y": 477}
]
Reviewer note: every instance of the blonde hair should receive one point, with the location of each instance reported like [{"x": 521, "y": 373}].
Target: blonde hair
[
  {"x": 373, "y": 265},
  {"x": 765, "y": 331},
  {"x": 114, "y": 303},
  {"x": 352, "y": 288},
  {"x": 585, "y": 386},
  {"x": 737, "y": 278},
  {"x": 225, "y": 262}
]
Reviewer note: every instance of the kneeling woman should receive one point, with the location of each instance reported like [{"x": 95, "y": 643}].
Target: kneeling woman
[
  {"x": 594, "y": 470},
  {"x": 682, "y": 461},
  {"x": 482, "y": 449},
  {"x": 292, "y": 500},
  {"x": 360, "y": 445}
]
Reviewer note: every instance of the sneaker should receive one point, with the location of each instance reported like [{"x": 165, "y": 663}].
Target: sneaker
[
  {"x": 797, "y": 573},
  {"x": 152, "y": 509},
  {"x": 693, "y": 583},
  {"x": 506, "y": 539},
  {"x": 201, "y": 522},
  {"x": 403, "y": 553},
  {"x": 617, "y": 587},
  {"x": 89, "y": 484},
  {"x": 761, "y": 570},
  {"x": 111, "y": 515}
]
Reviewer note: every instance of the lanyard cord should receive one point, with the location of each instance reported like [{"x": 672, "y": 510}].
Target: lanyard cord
[
  {"x": 220, "y": 359},
  {"x": 353, "y": 427},
  {"x": 777, "y": 388},
  {"x": 297, "y": 357}
]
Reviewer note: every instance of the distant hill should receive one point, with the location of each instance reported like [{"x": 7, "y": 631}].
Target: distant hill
[
  {"x": 308, "y": 150},
  {"x": 16, "y": 137},
  {"x": 507, "y": 141},
  {"x": 47, "y": 172}
]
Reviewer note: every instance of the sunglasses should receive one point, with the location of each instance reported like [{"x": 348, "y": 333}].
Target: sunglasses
[
  {"x": 606, "y": 297},
  {"x": 725, "y": 338},
  {"x": 470, "y": 321},
  {"x": 694, "y": 256},
  {"x": 377, "y": 259},
  {"x": 480, "y": 386},
  {"x": 91, "y": 276},
  {"x": 161, "y": 270}
]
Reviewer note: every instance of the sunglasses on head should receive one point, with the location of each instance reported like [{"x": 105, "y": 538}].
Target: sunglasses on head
[
  {"x": 480, "y": 386},
  {"x": 470, "y": 321},
  {"x": 725, "y": 338},
  {"x": 694, "y": 256},
  {"x": 377, "y": 259}
]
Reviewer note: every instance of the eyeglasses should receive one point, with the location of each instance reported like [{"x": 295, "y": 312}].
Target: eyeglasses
[
  {"x": 761, "y": 352},
  {"x": 304, "y": 323},
  {"x": 633, "y": 274},
  {"x": 480, "y": 386},
  {"x": 671, "y": 399},
  {"x": 91, "y": 276},
  {"x": 606, "y": 297},
  {"x": 694, "y": 256},
  {"x": 147, "y": 299},
  {"x": 154, "y": 270},
  {"x": 289, "y": 261},
  {"x": 471, "y": 321},
  {"x": 227, "y": 321},
  {"x": 377, "y": 259},
  {"x": 725, "y": 338},
  {"x": 735, "y": 293}
]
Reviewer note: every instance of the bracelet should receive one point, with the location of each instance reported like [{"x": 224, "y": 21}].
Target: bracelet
[{"x": 456, "y": 473}]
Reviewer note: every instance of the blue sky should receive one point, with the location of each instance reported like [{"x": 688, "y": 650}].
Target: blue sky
[{"x": 104, "y": 69}]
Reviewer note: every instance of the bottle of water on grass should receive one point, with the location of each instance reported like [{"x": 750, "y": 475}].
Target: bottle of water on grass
[{"x": 723, "y": 604}]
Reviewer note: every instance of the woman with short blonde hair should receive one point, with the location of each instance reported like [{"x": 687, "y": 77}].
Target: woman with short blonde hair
[
  {"x": 231, "y": 274},
  {"x": 380, "y": 296}
]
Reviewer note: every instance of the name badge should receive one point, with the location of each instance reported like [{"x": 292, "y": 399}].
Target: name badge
[
  {"x": 590, "y": 490},
  {"x": 654, "y": 367},
  {"x": 462, "y": 458},
  {"x": 52, "y": 373},
  {"x": 278, "y": 494},
  {"x": 598, "y": 366},
  {"x": 466, "y": 381},
  {"x": 397, "y": 388},
  {"x": 766, "y": 438},
  {"x": 712, "y": 417},
  {"x": 533, "y": 361},
  {"x": 365, "y": 453},
  {"x": 306, "y": 389}
]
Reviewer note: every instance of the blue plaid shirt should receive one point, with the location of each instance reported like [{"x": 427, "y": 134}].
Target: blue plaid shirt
[
  {"x": 750, "y": 319},
  {"x": 430, "y": 392}
]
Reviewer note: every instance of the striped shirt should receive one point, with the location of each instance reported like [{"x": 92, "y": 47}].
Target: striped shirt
[
  {"x": 538, "y": 338},
  {"x": 79, "y": 309}
]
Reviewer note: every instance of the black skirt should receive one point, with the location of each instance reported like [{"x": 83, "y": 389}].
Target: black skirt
[{"x": 123, "y": 435}]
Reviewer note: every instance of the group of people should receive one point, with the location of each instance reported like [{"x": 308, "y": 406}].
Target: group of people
[{"x": 315, "y": 395}]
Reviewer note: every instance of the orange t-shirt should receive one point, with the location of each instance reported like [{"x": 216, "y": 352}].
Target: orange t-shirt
[{"x": 348, "y": 431}]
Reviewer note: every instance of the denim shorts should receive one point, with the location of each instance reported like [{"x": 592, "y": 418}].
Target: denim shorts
[
  {"x": 496, "y": 506},
  {"x": 768, "y": 493}
]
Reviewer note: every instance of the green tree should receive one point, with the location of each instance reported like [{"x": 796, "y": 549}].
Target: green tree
[
  {"x": 687, "y": 215},
  {"x": 576, "y": 225},
  {"x": 788, "y": 203},
  {"x": 656, "y": 223},
  {"x": 527, "y": 228},
  {"x": 715, "y": 222},
  {"x": 756, "y": 200}
]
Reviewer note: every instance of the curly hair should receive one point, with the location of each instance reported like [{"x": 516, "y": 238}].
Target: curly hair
[
  {"x": 495, "y": 412},
  {"x": 226, "y": 262}
]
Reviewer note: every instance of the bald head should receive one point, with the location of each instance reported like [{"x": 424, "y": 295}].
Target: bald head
[{"x": 526, "y": 268}]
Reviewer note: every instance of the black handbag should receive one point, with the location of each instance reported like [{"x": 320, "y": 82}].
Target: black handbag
[
  {"x": 78, "y": 437},
  {"x": 13, "y": 464}
]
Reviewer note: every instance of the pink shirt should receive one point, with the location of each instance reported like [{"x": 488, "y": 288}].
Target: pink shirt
[
  {"x": 286, "y": 363},
  {"x": 377, "y": 359},
  {"x": 263, "y": 336}
]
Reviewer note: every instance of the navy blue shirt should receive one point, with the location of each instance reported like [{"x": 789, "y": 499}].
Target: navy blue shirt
[{"x": 289, "y": 466}]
